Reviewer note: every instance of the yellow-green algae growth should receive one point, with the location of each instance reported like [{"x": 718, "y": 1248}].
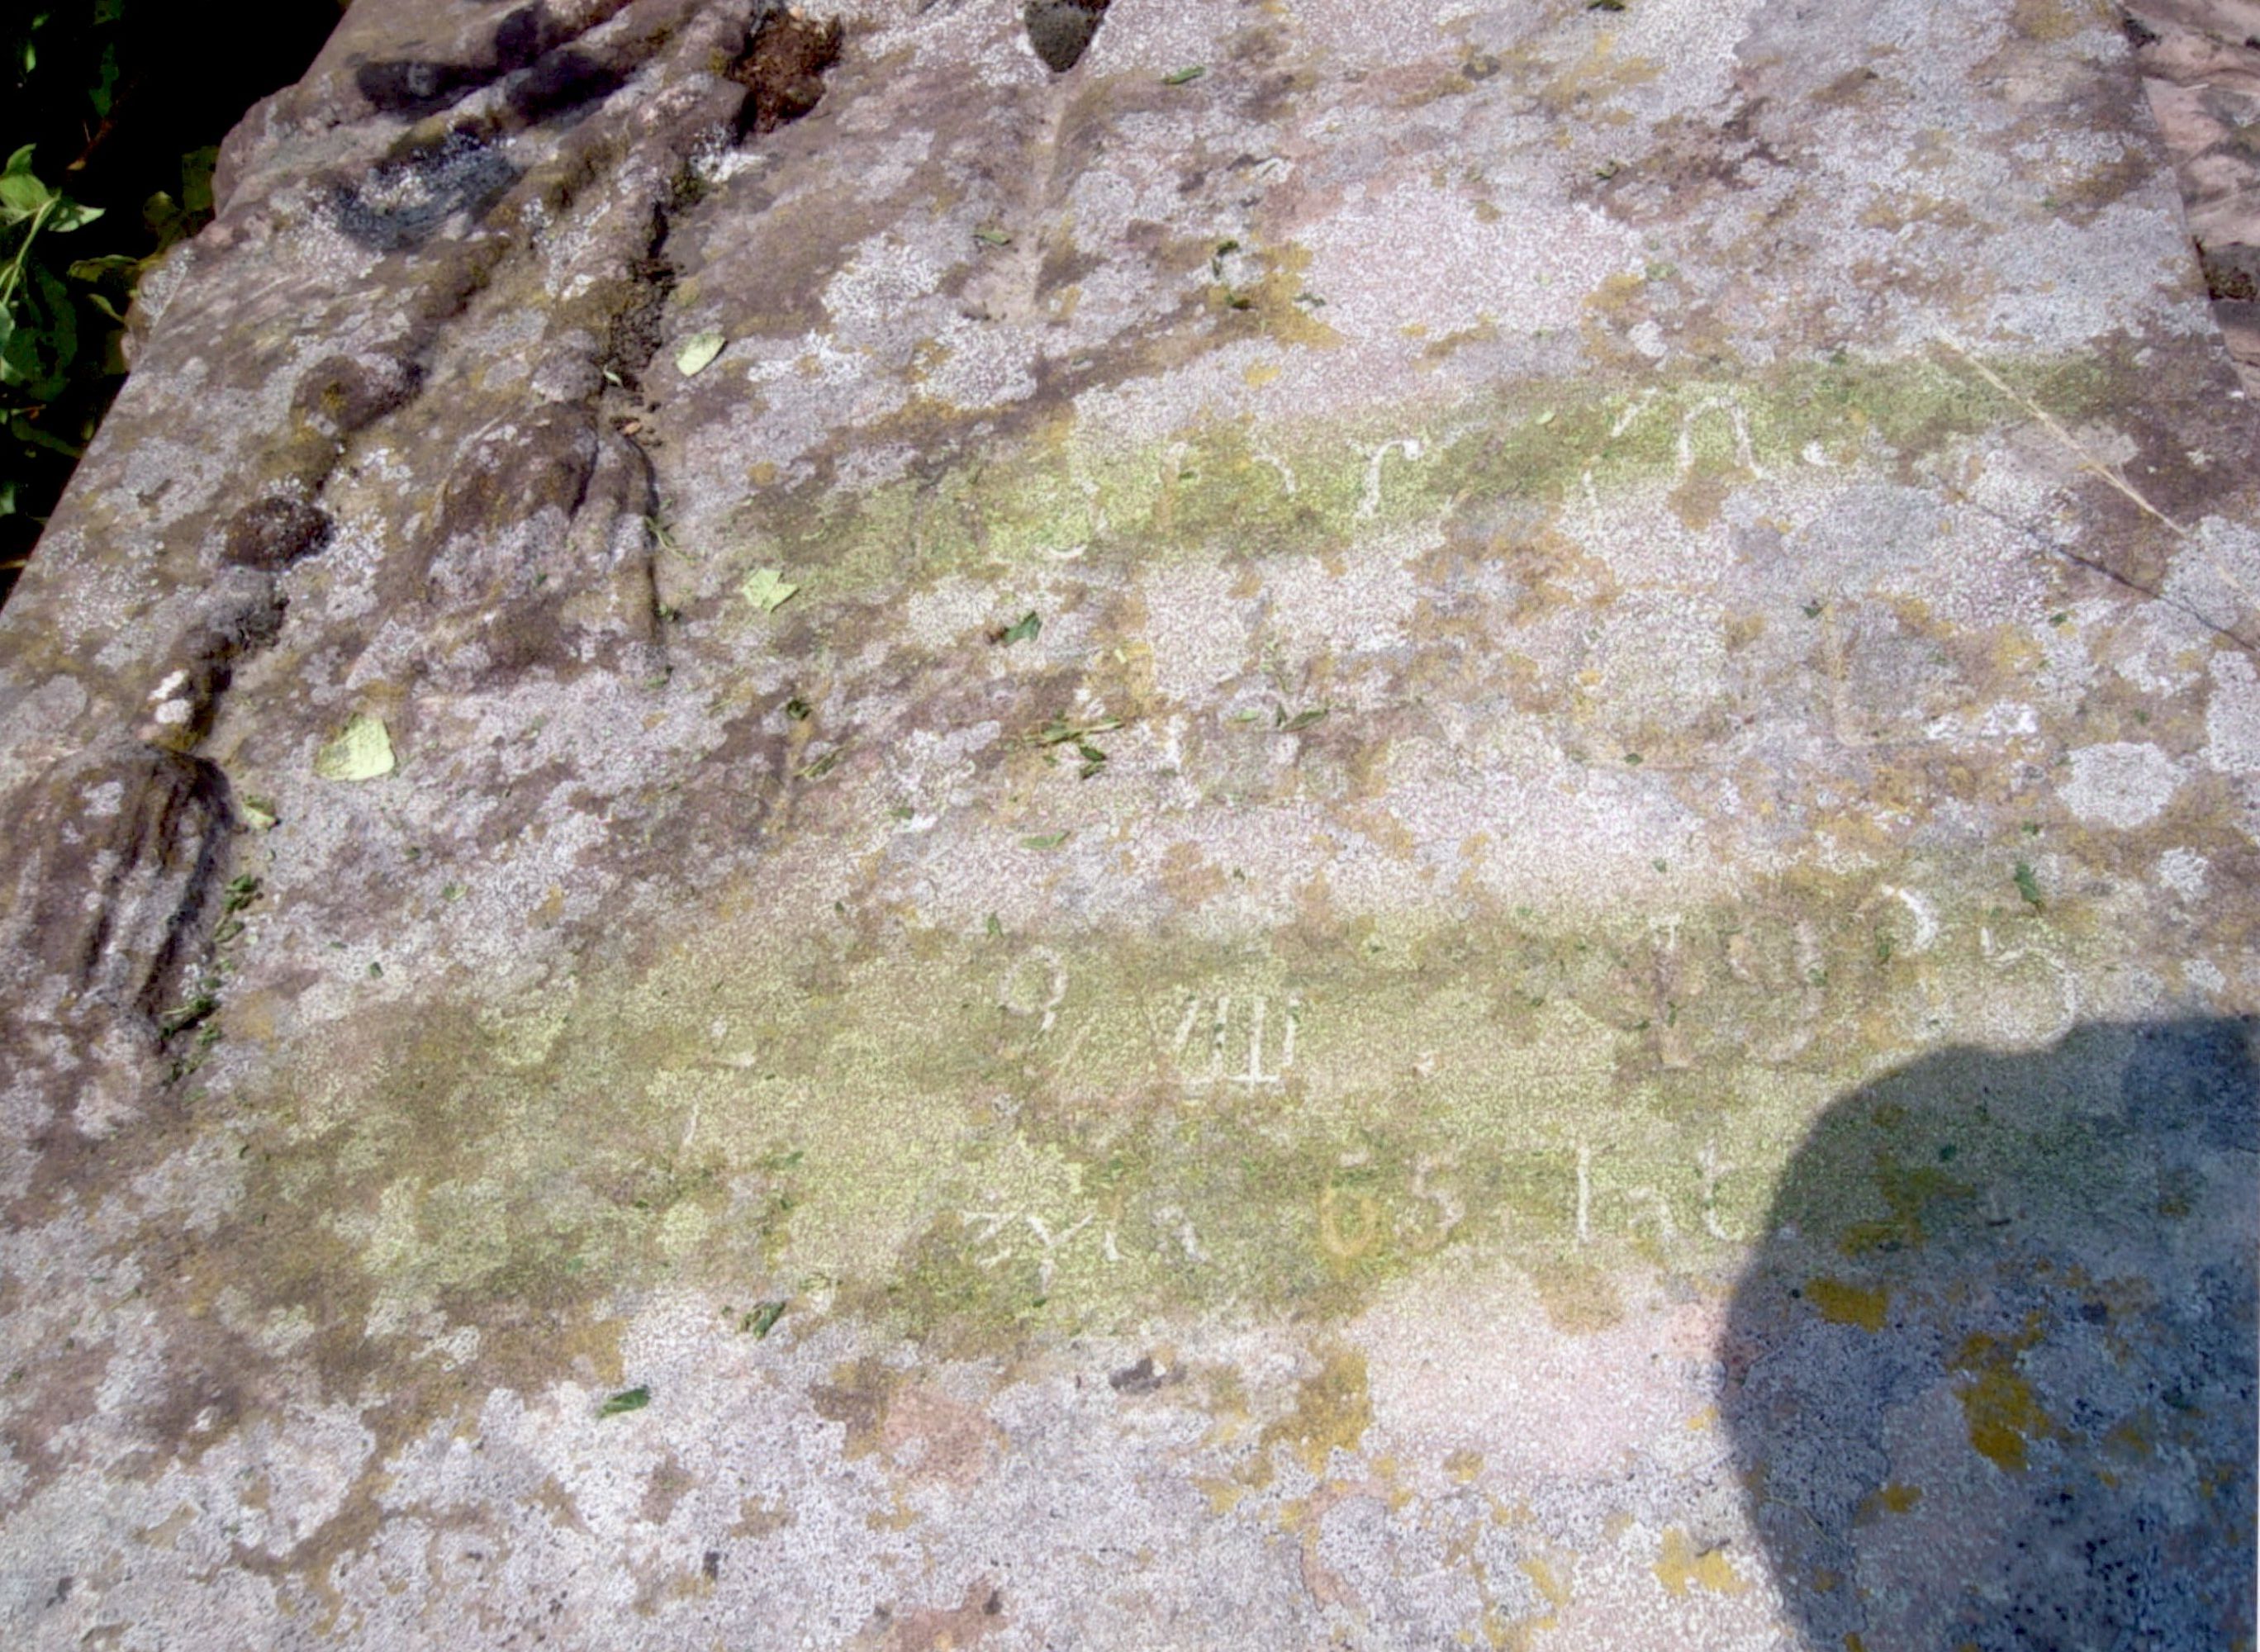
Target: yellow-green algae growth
[
  {"x": 1312, "y": 486},
  {"x": 978, "y": 1139}
]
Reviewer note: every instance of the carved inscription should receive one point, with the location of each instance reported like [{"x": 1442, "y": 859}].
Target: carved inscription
[{"x": 1246, "y": 1041}]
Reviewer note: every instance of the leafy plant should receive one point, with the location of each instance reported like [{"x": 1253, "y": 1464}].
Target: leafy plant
[
  {"x": 109, "y": 115},
  {"x": 40, "y": 340}
]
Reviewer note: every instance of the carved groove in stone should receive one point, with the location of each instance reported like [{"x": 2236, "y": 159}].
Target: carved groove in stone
[{"x": 126, "y": 848}]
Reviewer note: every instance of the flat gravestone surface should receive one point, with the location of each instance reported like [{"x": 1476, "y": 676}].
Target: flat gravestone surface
[{"x": 1384, "y": 825}]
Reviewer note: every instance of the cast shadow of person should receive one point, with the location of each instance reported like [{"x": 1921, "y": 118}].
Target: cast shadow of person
[{"x": 1990, "y": 1375}]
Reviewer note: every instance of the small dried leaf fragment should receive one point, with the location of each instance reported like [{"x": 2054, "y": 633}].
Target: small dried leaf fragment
[
  {"x": 766, "y": 588},
  {"x": 699, "y": 352},
  {"x": 361, "y": 750}
]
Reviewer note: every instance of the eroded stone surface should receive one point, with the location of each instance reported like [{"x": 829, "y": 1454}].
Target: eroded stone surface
[{"x": 1580, "y": 988}]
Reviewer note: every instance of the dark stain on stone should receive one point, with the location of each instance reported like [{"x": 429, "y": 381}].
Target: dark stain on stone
[
  {"x": 1144, "y": 1378},
  {"x": 1060, "y": 32},
  {"x": 641, "y": 324},
  {"x": 342, "y": 394},
  {"x": 2231, "y": 272},
  {"x": 562, "y": 83},
  {"x": 405, "y": 199},
  {"x": 273, "y": 532},
  {"x": 414, "y": 88},
  {"x": 856, "y": 1398},
  {"x": 241, "y": 613},
  {"x": 783, "y": 70},
  {"x": 532, "y": 48}
]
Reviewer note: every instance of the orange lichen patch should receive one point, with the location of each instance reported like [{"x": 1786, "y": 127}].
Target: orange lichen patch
[
  {"x": 2046, "y": 20},
  {"x": 1599, "y": 76},
  {"x": 1578, "y": 1298},
  {"x": 1223, "y": 1495},
  {"x": 1277, "y": 304},
  {"x": 900, "y": 1517},
  {"x": 934, "y": 1437},
  {"x": 758, "y": 1518},
  {"x": 1843, "y": 1304},
  {"x": 1909, "y": 1192},
  {"x": 1679, "y": 1567},
  {"x": 1333, "y": 1408},
  {"x": 1463, "y": 1465},
  {"x": 1350, "y": 1223},
  {"x": 979, "y": 1614},
  {"x": 1698, "y": 501},
  {"x": 857, "y": 1395},
  {"x": 1521, "y": 1634},
  {"x": 1997, "y": 1402},
  {"x": 1893, "y": 1498},
  {"x": 1191, "y": 878},
  {"x": 2134, "y": 1437},
  {"x": 1548, "y": 1583},
  {"x": 1257, "y": 374},
  {"x": 1484, "y": 332}
]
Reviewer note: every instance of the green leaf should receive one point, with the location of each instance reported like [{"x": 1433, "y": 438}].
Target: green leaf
[
  {"x": 626, "y": 1399},
  {"x": 2028, "y": 884},
  {"x": 259, "y": 814},
  {"x": 762, "y": 1320},
  {"x": 197, "y": 168},
  {"x": 362, "y": 750},
  {"x": 1186, "y": 76},
  {"x": 101, "y": 94},
  {"x": 1046, "y": 841},
  {"x": 69, "y": 215},
  {"x": 21, "y": 193},
  {"x": 1025, "y": 629},
  {"x": 62, "y": 322},
  {"x": 766, "y": 588},
  {"x": 179, "y": 1020},
  {"x": 993, "y": 237},
  {"x": 697, "y": 352},
  {"x": 103, "y": 267},
  {"x": 1302, "y": 720},
  {"x": 1059, "y": 731},
  {"x": 164, "y": 217}
]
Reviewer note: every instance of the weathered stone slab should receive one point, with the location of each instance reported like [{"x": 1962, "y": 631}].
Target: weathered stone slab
[{"x": 1377, "y": 826}]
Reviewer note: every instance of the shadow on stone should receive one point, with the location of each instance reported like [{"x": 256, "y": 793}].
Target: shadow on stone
[{"x": 1990, "y": 1378}]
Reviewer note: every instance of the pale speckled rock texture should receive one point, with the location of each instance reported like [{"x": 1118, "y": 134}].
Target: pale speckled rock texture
[{"x": 1584, "y": 987}]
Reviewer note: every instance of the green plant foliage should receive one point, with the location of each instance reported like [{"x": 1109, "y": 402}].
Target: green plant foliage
[
  {"x": 110, "y": 113},
  {"x": 39, "y": 317}
]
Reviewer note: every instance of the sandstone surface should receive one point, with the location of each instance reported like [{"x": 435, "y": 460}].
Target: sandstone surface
[{"x": 1374, "y": 826}]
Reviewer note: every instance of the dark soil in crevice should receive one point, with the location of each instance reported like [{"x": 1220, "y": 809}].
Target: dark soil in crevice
[{"x": 783, "y": 70}]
